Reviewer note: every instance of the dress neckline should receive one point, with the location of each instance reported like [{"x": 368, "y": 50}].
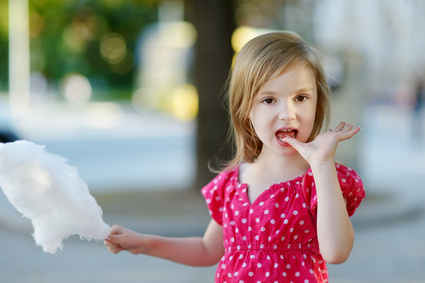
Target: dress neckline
[{"x": 243, "y": 187}]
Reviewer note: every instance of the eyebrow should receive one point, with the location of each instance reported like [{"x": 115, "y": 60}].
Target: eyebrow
[{"x": 306, "y": 89}]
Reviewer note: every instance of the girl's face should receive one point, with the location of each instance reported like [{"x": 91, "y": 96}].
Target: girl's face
[{"x": 285, "y": 106}]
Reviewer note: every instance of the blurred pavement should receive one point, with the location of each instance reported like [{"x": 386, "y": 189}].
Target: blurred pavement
[{"x": 389, "y": 225}]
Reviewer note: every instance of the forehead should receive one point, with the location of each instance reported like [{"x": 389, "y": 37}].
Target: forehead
[{"x": 301, "y": 77}]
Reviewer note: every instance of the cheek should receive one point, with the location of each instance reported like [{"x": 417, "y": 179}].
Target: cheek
[
  {"x": 308, "y": 123},
  {"x": 311, "y": 112}
]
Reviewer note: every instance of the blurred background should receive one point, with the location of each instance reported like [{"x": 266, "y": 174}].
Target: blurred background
[{"x": 131, "y": 92}]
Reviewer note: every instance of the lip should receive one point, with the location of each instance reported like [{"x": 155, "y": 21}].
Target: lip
[{"x": 281, "y": 133}]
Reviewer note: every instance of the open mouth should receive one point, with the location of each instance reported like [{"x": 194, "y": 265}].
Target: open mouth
[{"x": 292, "y": 133}]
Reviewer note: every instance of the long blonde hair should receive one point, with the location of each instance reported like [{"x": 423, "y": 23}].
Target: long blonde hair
[{"x": 260, "y": 60}]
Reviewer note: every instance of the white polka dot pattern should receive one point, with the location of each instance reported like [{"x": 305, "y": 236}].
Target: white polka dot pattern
[{"x": 274, "y": 238}]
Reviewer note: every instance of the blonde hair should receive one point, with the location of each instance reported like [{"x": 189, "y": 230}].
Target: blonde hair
[{"x": 260, "y": 60}]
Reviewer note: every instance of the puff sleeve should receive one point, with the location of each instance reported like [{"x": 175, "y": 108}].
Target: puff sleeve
[
  {"x": 351, "y": 187},
  {"x": 214, "y": 195}
]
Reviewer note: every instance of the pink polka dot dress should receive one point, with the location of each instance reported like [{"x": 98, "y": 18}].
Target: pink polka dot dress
[{"x": 274, "y": 238}]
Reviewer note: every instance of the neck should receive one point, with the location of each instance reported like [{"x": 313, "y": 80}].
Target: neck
[
  {"x": 264, "y": 172},
  {"x": 281, "y": 167},
  {"x": 293, "y": 161}
]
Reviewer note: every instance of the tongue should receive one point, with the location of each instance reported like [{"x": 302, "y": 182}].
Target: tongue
[{"x": 282, "y": 134}]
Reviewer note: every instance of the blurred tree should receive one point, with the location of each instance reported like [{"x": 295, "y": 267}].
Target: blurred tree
[
  {"x": 66, "y": 36},
  {"x": 83, "y": 27},
  {"x": 215, "y": 24}
]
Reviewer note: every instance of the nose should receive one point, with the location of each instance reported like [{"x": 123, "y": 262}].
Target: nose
[{"x": 286, "y": 112}]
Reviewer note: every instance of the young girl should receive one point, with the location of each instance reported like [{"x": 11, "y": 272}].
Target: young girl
[{"x": 280, "y": 210}]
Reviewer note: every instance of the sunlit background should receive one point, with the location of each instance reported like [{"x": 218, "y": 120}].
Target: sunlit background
[{"x": 110, "y": 86}]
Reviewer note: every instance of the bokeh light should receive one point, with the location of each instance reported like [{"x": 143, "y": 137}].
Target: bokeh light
[
  {"x": 75, "y": 36},
  {"x": 184, "y": 102},
  {"x": 178, "y": 34},
  {"x": 76, "y": 89},
  {"x": 145, "y": 100},
  {"x": 113, "y": 48},
  {"x": 244, "y": 34}
]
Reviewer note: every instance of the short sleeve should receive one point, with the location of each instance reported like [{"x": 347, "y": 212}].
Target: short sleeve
[
  {"x": 351, "y": 188},
  {"x": 213, "y": 193},
  {"x": 309, "y": 192}
]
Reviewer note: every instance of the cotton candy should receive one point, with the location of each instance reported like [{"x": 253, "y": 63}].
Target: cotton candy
[{"x": 46, "y": 189}]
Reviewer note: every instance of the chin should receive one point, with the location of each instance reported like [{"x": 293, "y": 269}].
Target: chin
[{"x": 288, "y": 151}]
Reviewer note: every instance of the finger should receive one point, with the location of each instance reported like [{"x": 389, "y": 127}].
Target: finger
[
  {"x": 294, "y": 143},
  {"x": 112, "y": 247},
  {"x": 116, "y": 230},
  {"x": 340, "y": 126},
  {"x": 115, "y": 250},
  {"x": 356, "y": 130},
  {"x": 347, "y": 128},
  {"x": 350, "y": 133},
  {"x": 114, "y": 239},
  {"x": 116, "y": 234},
  {"x": 110, "y": 243}
]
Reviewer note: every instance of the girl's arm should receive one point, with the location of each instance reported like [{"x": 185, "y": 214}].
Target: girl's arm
[
  {"x": 334, "y": 229},
  {"x": 194, "y": 251}
]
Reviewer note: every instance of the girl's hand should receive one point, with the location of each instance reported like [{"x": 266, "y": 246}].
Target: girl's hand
[
  {"x": 194, "y": 251},
  {"x": 323, "y": 147},
  {"x": 121, "y": 238}
]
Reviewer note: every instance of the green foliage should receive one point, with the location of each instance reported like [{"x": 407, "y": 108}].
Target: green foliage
[{"x": 66, "y": 37}]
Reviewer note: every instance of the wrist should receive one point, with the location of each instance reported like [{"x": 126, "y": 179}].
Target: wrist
[
  {"x": 319, "y": 164},
  {"x": 145, "y": 243}
]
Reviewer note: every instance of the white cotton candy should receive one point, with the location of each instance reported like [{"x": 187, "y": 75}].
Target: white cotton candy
[{"x": 48, "y": 191}]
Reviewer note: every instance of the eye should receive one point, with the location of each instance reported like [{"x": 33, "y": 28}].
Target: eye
[
  {"x": 301, "y": 98},
  {"x": 268, "y": 101}
]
